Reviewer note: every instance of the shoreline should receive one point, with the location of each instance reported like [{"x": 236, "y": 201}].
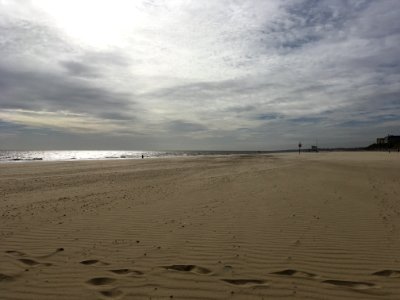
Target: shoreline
[{"x": 24, "y": 156}]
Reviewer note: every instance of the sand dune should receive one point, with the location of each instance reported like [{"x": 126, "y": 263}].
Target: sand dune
[{"x": 314, "y": 226}]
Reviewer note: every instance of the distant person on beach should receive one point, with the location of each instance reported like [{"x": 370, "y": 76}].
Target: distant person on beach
[{"x": 142, "y": 156}]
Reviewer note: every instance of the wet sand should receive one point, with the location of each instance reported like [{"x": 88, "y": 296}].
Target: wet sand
[{"x": 284, "y": 226}]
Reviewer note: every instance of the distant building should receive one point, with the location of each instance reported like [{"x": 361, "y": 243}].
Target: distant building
[
  {"x": 389, "y": 140},
  {"x": 380, "y": 141},
  {"x": 392, "y": 139},
  {"x": 314, "y": 148}
]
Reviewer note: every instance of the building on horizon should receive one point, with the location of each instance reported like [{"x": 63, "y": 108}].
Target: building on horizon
[
  {"x": 389, "y": 140},
  {"x": 380, "y": 141}
]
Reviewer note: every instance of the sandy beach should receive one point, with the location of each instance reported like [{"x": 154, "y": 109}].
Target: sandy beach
[{"x": 281, "y": 226}]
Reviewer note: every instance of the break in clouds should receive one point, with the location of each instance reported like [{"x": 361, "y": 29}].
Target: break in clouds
[{"x": 233, "y": 75}]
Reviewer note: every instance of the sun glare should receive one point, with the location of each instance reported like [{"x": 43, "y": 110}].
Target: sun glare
[{"x": 96, "y": 23}]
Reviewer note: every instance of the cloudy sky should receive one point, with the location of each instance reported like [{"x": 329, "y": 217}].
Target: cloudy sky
[{"x": 213, "y": 74}]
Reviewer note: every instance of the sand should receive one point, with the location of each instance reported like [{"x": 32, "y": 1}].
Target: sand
[{"x": 284, "y": 226}]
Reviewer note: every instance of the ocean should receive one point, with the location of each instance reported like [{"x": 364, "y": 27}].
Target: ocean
[{"x": 67, "y": 155}]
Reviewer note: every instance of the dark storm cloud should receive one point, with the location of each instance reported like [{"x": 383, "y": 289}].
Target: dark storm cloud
[{"x": 37, "y": 91}]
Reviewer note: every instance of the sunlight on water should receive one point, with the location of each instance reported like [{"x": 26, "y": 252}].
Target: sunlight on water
[
  {"x": 64, "y": 155},
  {"x": 74, "y": 155}
]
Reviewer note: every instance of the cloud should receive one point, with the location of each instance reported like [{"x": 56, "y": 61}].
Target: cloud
[
  {"x": 79, "y": 69},
  {"x": 182, "y": 126},
  {"x": 226, "y": 74},
  {"x": 38, "y": 91}
]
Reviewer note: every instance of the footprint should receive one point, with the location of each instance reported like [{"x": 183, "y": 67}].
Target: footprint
[
  {"x": 32, "y": 263},
  {"x": 357, "y": 285},
  {"x": 29, "y": 262},
  {"x": 245, "y": 282},
  {"x": 19, "y": 253},
  {"x": 93, "y": 262},
  {"x": 126, "y": 272},
  {"x": 121, "y": 271},
  {"x": 26, "y": 261},
  {"x": 188, "y": 268},
  {"x": 16, "y": 253},
  {"x": 227, "y": 269},
  {"x": 52, "y": 253},
  {"x": 114, "y": 293},
  {"x": 5, "y": 278},
  {"x": 100, "y": 281},
  {"x": 295, "y": 273},
  {"x": 89, "y": 262},
  {"x": 388, "y": 273}
]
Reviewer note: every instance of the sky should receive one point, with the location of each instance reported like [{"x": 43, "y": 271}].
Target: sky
[{"x": 204, "y": 75}]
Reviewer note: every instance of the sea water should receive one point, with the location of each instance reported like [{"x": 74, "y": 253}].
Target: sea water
[{"x": 66, "y": 155}]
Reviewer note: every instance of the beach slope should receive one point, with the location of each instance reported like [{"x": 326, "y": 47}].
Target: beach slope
[{"x": 284, "y": 226}]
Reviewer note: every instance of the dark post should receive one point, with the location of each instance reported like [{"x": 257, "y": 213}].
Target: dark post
[{"x": 299, "y": 146}]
